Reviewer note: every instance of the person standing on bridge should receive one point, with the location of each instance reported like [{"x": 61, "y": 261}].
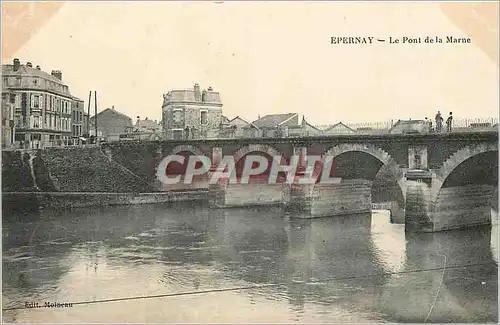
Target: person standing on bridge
[
  {"x": 449, "y": 121},
  {"x": 428, "y": 124},
  {"x": 439, "y": 122}
]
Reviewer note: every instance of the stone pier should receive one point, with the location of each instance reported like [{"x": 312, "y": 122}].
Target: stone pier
[
  {"x": 431, "y": 207},
  {"x": 462, "y": 206},
  {"x": 351, "y": 196},
  {"x": 225, "y": 195}
]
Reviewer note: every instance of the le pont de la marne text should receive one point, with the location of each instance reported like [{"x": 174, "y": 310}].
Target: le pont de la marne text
[{"x": 398, "y": 40}]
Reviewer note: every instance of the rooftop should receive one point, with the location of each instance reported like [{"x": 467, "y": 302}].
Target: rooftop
[
  {"x": 273, "y": 120},
  {"x": 193, "y": 95},
  {"x": 146, "y": 123},
  {"x": 8, "y": 70},
  {"x": 111, "y": 111}
]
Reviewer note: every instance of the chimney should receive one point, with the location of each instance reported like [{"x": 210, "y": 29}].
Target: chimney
[
  {"x": 38, "y": 67},
  {"x": 57, "y": 74},
  {"x": 210, "y": 88},
  {"x": 28, "y": 64},
  {"x": 197, "y": 93},
  {"x": 17, "y": 64}
]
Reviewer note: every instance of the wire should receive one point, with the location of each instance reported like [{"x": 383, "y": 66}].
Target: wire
[
  {"x": 438, "y": 290},
  {"x": 188, "y": 293}
]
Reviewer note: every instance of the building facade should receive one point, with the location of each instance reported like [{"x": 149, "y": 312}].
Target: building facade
[
  {"x": 191, "y": 113},
  {"x": 42, "y": 105},
  {"x": 110, "y": 124},
  {"x": 8, "y": 122},
  {"x": 86, "y": 125},
  {"x": 77, "y": 124}
]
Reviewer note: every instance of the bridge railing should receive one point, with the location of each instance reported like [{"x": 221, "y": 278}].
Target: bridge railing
[{"x": 475, "y": 123}]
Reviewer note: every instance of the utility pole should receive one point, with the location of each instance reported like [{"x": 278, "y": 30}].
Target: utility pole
[
  {"x": 88, "y": 115},
  {"x": 95, "y": 116}
]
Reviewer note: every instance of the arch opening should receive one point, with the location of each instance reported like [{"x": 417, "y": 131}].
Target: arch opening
[
  {"x": 262, "y": 177},
  {"x": 242, "y": 155},
  {"x": 478, "y": 171},
  {"x": 369, "y": 163},
  {"x": 179, "y": 169}
]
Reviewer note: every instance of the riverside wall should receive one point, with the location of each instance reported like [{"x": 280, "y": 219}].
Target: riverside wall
[
  {"x": 29, "y": 201},
  {"x": 76, "y": 177}
]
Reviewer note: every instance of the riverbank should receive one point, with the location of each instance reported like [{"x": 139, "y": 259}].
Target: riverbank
[
  {"x": 15, "y": 201},
  {"x": 33, "y": 201}
]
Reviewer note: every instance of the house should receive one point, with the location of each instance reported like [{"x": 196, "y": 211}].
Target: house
[
  {"x": 236, "y": 127},
  {"x": 41, "y": 105},
  {"x": 191, "y": 113},
  {"x": 304, "y": 129},
  {"x": 110, "y": 123},
  {"x": 339, "y": 128},
  {"x": 8, "y": 121},
  {"x": 409, "y": 126},
  {"x": 274, "y": 125},
  {"x": 77, "y": 123},
  {"x": 143, "y": 130}
]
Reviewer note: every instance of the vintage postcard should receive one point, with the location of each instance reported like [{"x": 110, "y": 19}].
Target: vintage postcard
[{"x": 250, "y": 162}]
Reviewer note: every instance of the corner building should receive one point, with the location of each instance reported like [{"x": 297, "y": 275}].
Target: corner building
[
  {"x": 191, "y": 113},
  {"x": 42, "y": 105}
]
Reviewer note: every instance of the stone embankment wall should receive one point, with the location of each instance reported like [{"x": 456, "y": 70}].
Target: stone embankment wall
[
  {"x": 67, "y": 170},
  {"x": 76, "y": 177},
  {"x": 27, "y": 201}
]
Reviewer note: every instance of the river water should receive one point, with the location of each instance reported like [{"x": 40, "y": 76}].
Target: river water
[{"x": 242, "y": 265}]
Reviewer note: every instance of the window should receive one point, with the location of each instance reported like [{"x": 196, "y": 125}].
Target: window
[
  {"x": 418, "y": 161},
  {"x": 35, "y": 101},
  {"x": 177, "y": 117},
  {"x": 204, "y": 118},
  {"x": 12, "y": 98},
  {"x": 34, "y": 121}
]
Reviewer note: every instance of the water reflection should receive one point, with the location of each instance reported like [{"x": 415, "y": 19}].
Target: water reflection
[{"x": 343, "y": 269}]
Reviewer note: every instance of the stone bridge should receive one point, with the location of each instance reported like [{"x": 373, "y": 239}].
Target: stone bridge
[{"x": 444, "y": 181}]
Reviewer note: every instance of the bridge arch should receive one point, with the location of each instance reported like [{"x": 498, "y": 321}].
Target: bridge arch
[
  {"x": 187, "y": 148},
  {"x": 262, "y": 148},
  {"x": 455, "y": 160},
  {"x": 375, "y": 152},
  {"x": 175, "y": 168}
]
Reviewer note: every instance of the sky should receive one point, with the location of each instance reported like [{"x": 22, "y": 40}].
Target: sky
[{"x": 268, "y": 57}]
